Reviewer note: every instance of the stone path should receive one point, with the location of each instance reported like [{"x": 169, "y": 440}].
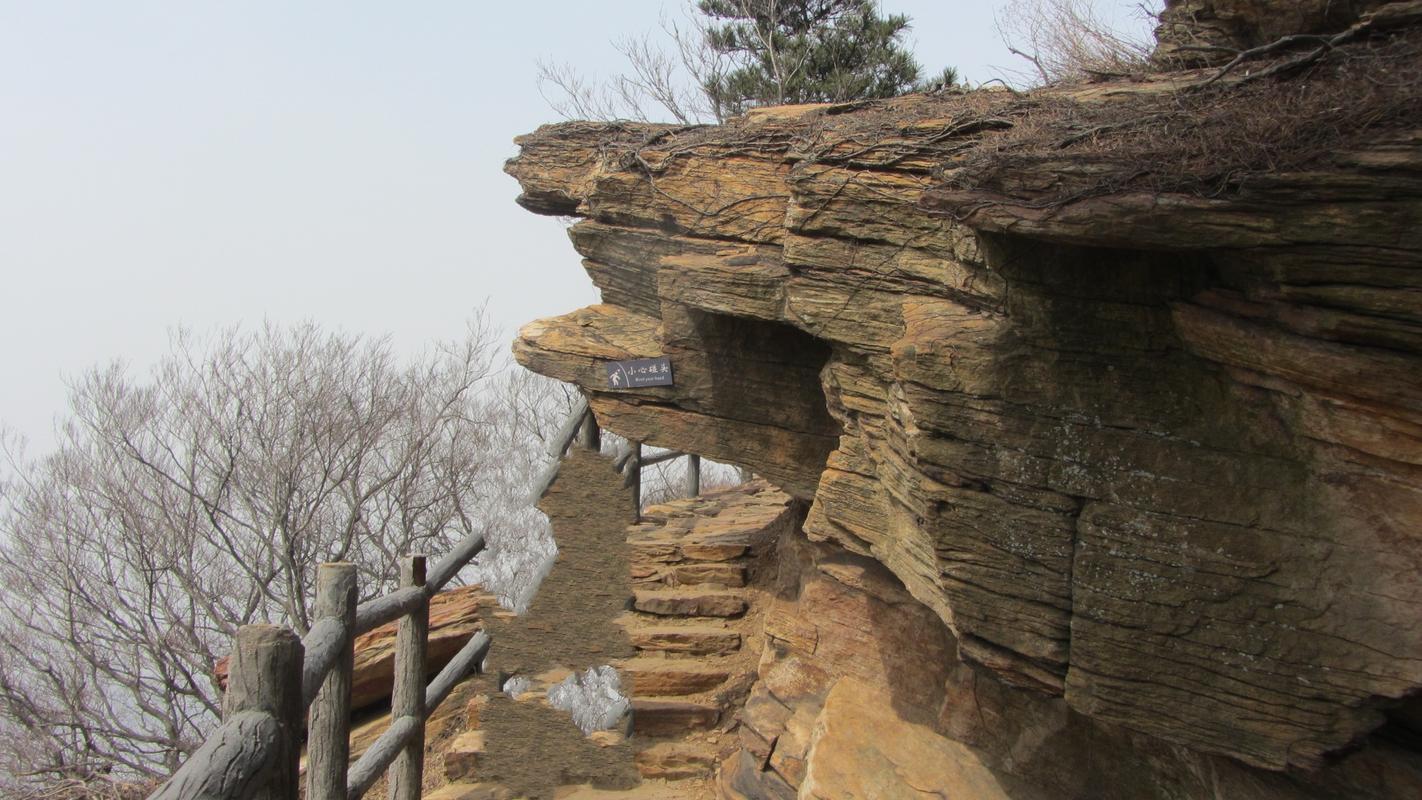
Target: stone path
[
  {"x": 671, "y": 602},
  {"x": 697, "y": 571},
  {"x": 528, "y": 747}
]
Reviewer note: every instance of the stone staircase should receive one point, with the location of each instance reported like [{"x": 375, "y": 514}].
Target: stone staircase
[
  {"x": 526, "y": 747},
  {"x": 693, "y": 622},
  {"x": 460, "y": 761}
]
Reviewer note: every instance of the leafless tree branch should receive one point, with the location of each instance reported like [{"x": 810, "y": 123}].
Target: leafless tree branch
[
  {"x": 180, "y": 507},
  {"x": 1068, "y": 41}
]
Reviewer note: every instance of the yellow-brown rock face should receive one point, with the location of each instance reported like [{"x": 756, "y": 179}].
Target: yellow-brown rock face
[
  {"x": 1157, "y": 455},
  {"x": 860, "y": 748}
]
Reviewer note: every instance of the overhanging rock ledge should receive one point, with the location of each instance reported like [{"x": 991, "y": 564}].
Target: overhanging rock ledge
[{"x": 1155, "y": 452}]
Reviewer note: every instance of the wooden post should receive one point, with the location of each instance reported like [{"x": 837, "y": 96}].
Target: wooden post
[
  {"x": 264, "y": 675},
  {"x": 254, "y": 754},
  {"x": 328, "y": 748},
  {"x": 591, "y": 435},
  {"x": 408, "y": 697},
  {"x": 693, "y": 475},
  {"x": 636, "y": 480}
]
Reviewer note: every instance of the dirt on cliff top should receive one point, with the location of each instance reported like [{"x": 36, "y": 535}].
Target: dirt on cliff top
[{"x": 1290, "y": 105}]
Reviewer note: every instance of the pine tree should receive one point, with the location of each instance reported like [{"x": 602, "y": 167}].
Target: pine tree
[
  {"x": 739, "y": 54},
  {"x": 804, "y": 51}
]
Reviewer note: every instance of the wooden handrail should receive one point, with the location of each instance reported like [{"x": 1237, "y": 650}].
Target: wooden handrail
[
  {"x": 275, "y": 677},
  {"x": 557, "y": 446},
  {"x": 693, "y": 475},
  {"x": 582, "y": 424},
  {"x": 590, "y": 435},
  {"x": 229, "y": 763},
  {"x": 253, "y": 745},
  {"x": 658, "y": 458},
  {"x": 563, "y": 439},
  {"x": 387, "y": 608},
  {"x": 378, "y": 757},
  {"x": 469, "y": 657},
  {"x": 407, "y": 696},
  {"x": 323, "y": 645},
  {"x": 623, "y": 455},
  {"x": 633, "y": 477},
  {"x": 447, "y": 567}
]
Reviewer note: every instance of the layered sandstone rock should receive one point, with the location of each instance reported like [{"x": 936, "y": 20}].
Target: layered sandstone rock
[
  {"x": 719, "y": 548},
  {"x": 913, "y": 719},
  {"x": 1151, "y": 454},
  {"x": 1208, "y": 30},
  {"x": 861, "y": 748}
]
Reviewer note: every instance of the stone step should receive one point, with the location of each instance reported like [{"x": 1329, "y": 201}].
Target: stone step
[
  {"x": 699, "y": 640},
  {"x": 470, "y": 791},
  {"x": 714, "y": 547},
  {"x": 657, "y": 716},
  {"x": 653, "y": 549},
  {"x": 671, "y": 677},
  {"x": 728, "y": 574},
  {"x": 689, "y": 602},
  {"x": 661, "y": 547},
  {"x": 461, "y": 757},
  {"x": 676, "y": 761},
  {"x": 650, "y": 790}
]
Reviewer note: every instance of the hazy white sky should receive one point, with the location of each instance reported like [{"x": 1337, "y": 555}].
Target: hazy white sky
[{"x": 204, "y": 164}]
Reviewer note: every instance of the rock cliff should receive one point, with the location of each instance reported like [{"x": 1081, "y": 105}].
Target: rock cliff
[
  {"x": 1206, "y": 30},
  {"x": 1122, "y": 382}
]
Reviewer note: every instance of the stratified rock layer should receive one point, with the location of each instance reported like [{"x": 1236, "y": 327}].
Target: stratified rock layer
[
  {"x": 1209, "y": 30},
  {"x": 1157, "y": 455},
  {"x": 861, "y": 694}
]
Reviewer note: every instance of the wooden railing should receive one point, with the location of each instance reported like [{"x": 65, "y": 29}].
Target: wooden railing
[
  {"x": 582, "y": 427},
  {"x": 274, "y": 678}
]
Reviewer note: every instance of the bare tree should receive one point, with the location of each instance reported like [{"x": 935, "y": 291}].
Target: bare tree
[
  {"x": 1067, "y": 41},
  {"x": 726, "y": 56},
  {"x": 178, "y": 509},
  {"x": 662, "y": 81},
  {"x": 530, "y": 409},
  {"x": 666, "y": 481}
]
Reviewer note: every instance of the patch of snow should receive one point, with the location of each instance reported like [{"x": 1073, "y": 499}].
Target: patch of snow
[{"x": 594, "y": 698}]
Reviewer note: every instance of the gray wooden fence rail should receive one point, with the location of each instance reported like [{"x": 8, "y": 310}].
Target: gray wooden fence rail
[
  {"x": 630, "y": 462},
  {"x": 628, "y": 459},
  {"x": 274, "y": 678}
]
